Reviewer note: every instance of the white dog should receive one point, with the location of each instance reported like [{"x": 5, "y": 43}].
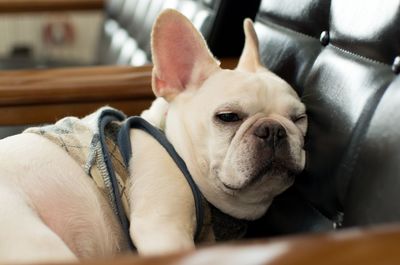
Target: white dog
[{"x": 239, "y": 131}]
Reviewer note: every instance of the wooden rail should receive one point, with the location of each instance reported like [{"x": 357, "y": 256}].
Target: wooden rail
[
  {"x": 16, "y": 6},
  {"x": 372, "y": 246},
  {"x": 37, "y": 96}
]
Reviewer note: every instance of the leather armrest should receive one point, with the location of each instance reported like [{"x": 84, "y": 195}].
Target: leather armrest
[
  {"x": 43, "y": 96},
  {"x": 15, "y": 6},
  {"x": 367, "y": 246}
]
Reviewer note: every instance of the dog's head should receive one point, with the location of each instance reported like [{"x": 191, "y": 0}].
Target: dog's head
[{"x": 241, "y": 132}]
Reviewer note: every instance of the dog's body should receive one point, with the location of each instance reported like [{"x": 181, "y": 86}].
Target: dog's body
[{"x": 239, "y": 131}]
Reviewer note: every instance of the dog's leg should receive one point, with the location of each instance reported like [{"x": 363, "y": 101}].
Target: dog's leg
[
  {"x": 24, "y": 237},
  {"x": 155, "y": 237},
  {"x": 162, "y": 206},
  {"x": 36, "y": 172}
]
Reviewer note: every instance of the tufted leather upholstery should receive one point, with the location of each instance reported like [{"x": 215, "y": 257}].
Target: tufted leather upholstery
[
  {"x": 126, "y": 33},
  {"x": 341, "y": 58}
]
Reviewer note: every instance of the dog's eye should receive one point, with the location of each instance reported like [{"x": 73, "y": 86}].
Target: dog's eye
[
  {"x": 228, "y": 117},
  {"x": 300, "y": 118}
]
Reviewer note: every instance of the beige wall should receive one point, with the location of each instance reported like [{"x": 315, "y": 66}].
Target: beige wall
[{"x": 28, "y": 29}]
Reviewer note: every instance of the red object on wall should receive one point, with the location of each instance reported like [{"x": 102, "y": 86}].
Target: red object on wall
[{"x": 58, "y": 33}]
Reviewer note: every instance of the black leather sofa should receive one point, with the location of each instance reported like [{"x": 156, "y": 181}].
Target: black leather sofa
[
  {"x": 126, "y": 31},
  {"x": 343, "y": 58}
]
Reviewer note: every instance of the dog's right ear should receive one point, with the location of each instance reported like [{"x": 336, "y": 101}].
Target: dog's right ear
[
  {"x": 180, "y": 55},
  {"x": 250, "y": 58}
]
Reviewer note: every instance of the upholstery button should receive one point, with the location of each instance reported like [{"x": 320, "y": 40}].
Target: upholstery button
[
  {"x": 396, "y": 65},
  {"x": 324, "y": 38}
]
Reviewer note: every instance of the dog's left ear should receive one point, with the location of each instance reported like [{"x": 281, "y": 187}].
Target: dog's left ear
[
  {"x": 250, "y": 58},
  {"x": 180, "y": 55}
]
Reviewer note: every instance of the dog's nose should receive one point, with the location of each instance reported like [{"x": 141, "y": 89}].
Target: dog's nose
[{"x": 271, "y": 132}]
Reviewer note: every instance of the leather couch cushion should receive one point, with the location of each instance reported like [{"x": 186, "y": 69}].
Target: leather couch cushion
[
  {"x": 338, "y": 55},
  {"x": 126, "y": 33},
  {"x": 373, "y": 192}
]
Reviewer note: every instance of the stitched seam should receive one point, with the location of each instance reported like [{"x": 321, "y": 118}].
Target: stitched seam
[
  {"x": 359, "y": 55},
  {"x": 273, "y": 24}
]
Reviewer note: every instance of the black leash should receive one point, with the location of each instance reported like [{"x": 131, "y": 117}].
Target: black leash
[
  {"x": 124, "y": 145},
  {"x": 125, "y": 148}
]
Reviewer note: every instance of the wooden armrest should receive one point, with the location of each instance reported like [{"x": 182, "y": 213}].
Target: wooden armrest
[
  {"x": 15, "y": 6},
  {"x": 372, "y": 246},
  {"x": 40, "y": 96},
  {"x": 43, "y": 96}
]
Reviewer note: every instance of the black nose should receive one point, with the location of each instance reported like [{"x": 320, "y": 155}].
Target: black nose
[{"x": 271, "y": 132}]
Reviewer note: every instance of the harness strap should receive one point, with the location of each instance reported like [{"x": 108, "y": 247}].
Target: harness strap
[
  {"x": 106, "y": 118},
  {"x": 124, "y": 144}
]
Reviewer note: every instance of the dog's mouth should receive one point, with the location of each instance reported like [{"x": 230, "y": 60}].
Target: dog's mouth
[
  {"x": 273, "y": 169},
  {"x": 247, "y": 181},
  {"x": 230, "y": 187}
]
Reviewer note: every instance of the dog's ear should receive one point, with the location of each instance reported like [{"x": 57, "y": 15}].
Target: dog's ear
[
  {"x": 180, "y": 55},
  {"x": 250, "y": 58}
]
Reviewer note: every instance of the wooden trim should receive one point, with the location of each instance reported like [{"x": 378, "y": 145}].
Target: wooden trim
[
  {"x": 37, "y": 96},
  {"x": 74, "y": 85},
  {"x": 372, "y": 246},
  {"x": 15, "y": 6},
  {"x": 229, "y": 63},
  {"x": 50, "y": 113}
]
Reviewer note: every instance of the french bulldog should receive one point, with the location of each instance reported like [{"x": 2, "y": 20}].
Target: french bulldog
[{"x": 240, "y": 132}]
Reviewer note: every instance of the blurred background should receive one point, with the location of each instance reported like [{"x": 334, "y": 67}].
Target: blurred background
[
  {"x": 59, "y": 33},
  {"x": 49, "y": 39}
]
